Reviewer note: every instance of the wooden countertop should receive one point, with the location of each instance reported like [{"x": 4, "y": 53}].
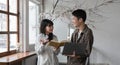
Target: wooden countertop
[{"x": 16, "y": 57}]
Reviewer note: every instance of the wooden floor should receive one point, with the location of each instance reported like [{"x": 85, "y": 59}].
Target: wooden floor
[
  {"x": 62, "y": 64},
  {"x": 90, "y": 64}
]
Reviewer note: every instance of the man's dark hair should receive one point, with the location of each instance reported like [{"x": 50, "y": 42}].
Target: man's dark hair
[
  {"x": 44, "y": 23},
  {"x": 80, "y": 13}
]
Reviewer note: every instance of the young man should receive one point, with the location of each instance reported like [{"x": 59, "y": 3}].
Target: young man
[{"x": 82, "y": 35}]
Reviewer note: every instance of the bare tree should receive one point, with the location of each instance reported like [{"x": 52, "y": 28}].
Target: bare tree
[{"x": 92, "y": 11}]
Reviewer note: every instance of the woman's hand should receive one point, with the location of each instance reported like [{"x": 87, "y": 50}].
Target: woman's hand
[
  {"x": 44, "y": 41},
  {"x": 54, "y": 49}
]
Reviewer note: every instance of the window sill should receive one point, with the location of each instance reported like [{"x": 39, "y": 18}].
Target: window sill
[
  {"x": 7, "y": 53},
  {"x": 7, "y": 60}
]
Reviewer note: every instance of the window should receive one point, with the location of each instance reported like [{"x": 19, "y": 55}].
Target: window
[
  {"x": 33, "y": 22},
  {"x": 9, "y": 25}
]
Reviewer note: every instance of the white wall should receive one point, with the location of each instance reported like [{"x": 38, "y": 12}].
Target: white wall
[
  {"x": 107, "y": 37},
  {"x": 60, "y": 29},
  {"x": 27, "y": 61}
]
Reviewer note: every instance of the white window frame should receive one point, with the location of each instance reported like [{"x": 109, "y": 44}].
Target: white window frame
[{"x": 24, "y": 24}]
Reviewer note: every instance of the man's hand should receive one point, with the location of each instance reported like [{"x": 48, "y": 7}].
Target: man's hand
[{"x": 74, "y": 56}]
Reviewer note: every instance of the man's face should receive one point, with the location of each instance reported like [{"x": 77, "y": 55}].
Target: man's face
[{"x": 76, "y": 22}]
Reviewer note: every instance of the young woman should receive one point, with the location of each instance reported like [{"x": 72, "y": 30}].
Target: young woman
[{"x": 47, "y": 55}]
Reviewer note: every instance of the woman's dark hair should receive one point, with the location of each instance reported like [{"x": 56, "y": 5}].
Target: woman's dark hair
[
  {"x": 44, "y": 23},
  {"x": 80, "y": 13}
]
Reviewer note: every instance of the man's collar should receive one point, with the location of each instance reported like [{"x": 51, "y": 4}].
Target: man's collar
[{"x": 84, "y": 30}]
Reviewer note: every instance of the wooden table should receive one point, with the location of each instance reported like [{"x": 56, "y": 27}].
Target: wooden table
[{"x": 15, "y": 59}]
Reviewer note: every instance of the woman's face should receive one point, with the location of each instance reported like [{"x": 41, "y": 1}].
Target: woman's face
[{"x": 49, "y": 29}]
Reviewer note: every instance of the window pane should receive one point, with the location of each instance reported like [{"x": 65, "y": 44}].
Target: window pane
[
  {"x": 3, "y": 43},
  {"x": 3, "y": 5},
  {"x": 3, "y": 22},
  {"x": 13, "y": 41},
  {"x": 33, "y": 20},
  {"x": 13, "y": 6},
  {"x": 13, "y": 23}
]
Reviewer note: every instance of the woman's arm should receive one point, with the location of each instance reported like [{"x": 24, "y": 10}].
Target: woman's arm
[{"x": 39, "y": 46}]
